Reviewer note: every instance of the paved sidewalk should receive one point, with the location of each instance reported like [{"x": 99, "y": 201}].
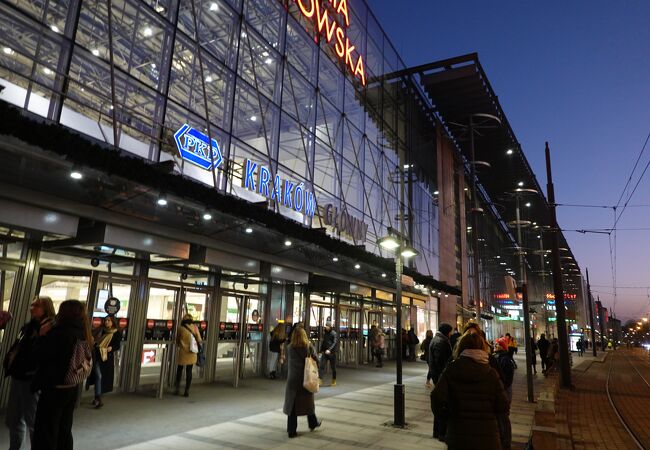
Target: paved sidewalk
[{"x": 354, "y": 414}]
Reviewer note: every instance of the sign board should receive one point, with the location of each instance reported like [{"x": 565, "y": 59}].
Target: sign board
[
  {"x": 344, "y": 223},
  {"x": 194, "y": 147},
  {"x": 112, "y": 306},
  {"x": 158, "y": 330},
  {"x": 228, "y": 331}
]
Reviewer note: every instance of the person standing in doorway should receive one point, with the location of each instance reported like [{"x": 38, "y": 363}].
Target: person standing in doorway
[
  {"x": 439, "y": 357},
  {"x": 188, "y": 340},
  {"x": 20, "y": 365},
  {"x": 543, "y": 344},
  {"x": 276, "y": 349},
  {"x": 69, "y": 336},
  {"x": 413, "y": 343},
  {"x": 328, "y": 352},
  {"x": 380, "y": 347},
  {"x": 372, "y": 337},
  {"x": 298, "y": 401},
  {"x": 107, "y": 341}
]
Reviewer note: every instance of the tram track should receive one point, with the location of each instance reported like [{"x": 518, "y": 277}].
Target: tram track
[{"x": 635, "y": 431}]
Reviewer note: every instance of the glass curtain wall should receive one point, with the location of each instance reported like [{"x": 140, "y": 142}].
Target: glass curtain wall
[{"x": 257, "y": 80}]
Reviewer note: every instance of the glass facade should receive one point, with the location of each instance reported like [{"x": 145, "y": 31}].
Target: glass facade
[{"x": 260, "y": 80}]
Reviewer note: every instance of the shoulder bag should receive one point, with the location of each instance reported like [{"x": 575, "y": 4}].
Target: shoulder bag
[{"x": 310, "y": 381}]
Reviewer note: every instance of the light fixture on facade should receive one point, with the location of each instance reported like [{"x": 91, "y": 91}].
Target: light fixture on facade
[
  {"x": 409, "y": 252},
  {"x": 509, "y": 151},
  {"x": 520, "y": 184},
  {"x": 446, "y": 295},
  {"x": 335, "y": 259},
  {"x": 388, "y": 242},
  {"x": 383, "y": 275},
  {"x": 357, "y": 266},
  {"x": 287, "y": 243},
  {"x": 162, "y": 200},
  {"x": 528, "y": 205},
  {"x": 76, "y": 174},
  {"x": 214, "y": 6},
  {"x": 95, "y": 52},
  {"x": 147, "y": 31},
  {"x": 207, "y": 216},
  {"x": 248, "y": 230},
  {"x": 7, "y": 51},
  {"x": 436, "y": 192}
]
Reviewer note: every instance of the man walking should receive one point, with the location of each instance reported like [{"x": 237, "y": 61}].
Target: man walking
[
  {"x": 543, "y": 344},
  {"x": 439, "y": 356},
  {"x": 328, "y": 352}
]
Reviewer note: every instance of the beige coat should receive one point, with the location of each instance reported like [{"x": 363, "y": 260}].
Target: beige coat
[{"x": 184, "y": 356}]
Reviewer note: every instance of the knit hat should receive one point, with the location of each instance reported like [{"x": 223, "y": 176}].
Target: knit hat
[{"x": 501, "y": 344}]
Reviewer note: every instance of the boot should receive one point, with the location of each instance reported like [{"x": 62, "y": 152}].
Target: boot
[
  {"x": 187, "y": 392},
  {"x": 272, "y": 375},
  {"x": 98, "y": 402}
]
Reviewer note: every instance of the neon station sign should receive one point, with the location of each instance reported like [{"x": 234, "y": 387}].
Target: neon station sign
[
  {"x": 194, "y": 147},
  {"x": 328, "y": 17}
]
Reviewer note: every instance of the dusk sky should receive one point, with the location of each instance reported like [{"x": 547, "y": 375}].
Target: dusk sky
[{"x": 576, "y": 74}]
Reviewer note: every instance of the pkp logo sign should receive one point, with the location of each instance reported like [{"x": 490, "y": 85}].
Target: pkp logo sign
[{"x": 194, "y": 147}]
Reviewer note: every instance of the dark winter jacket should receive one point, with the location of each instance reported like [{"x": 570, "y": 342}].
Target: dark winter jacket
[
  {"x": 471, "y": 396},
  {"x": 24, "y": 364},
  {"x": 330, "y": 341},
  {"x": 296, "y": 397},
  {"x": 425, "y": 348},
  {"x": 53, "y": 353},
  {"x": 439, "y": 356},
  {"x": 543, "y": 345},
  {"x": 507, "y": 366}
]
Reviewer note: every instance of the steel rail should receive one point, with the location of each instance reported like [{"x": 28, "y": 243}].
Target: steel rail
[{"x": 618, "y": 414}]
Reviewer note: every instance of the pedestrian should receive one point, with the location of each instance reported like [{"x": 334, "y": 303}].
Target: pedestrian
[
  {"x": 439, "y": 357},
  {"x": 507, "y": 373},
  {"x": 552, "y": 356},
  {"x": 188, "y": 340},
  {"x": 454, "y": 337},
  {"x": 328, "y": 348},
  {"x": 424, "y": 346},
  {"x": 512, "y": 347},
  {"x": 543, "y": 344},
  {"x": 413, "y": 342},
  {"x": 298, "y": 401},
  {"x": 107, "y": 340},
  {"x": 20, "y": 364},
  {"x": 63, "y": 349},
  {"x": 533, "y": 355},
  {"x": 372, "y": 337},
  {"x": 276, "y": 350},
  {"x": 471, "y": 395},
  {"x": 380, "y": 347},
  {"x": 405, "y": 344},
  {"x": 580, "y": 345}
]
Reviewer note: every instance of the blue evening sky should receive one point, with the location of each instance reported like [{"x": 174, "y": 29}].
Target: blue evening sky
[{"x": 574, "y": 73}]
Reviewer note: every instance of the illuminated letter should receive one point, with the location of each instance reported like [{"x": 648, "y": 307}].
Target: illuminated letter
[
  {"x": 323, "y": 21},
  {"x": 304, "y": 11},
  {"x": 310, "y": 204},
  {"x": 340, "y": 49},
  {"x": 343, "y": 9},
  {"x": 358, "y": 71},
  {"x": 348, "y": 54},
  {"x": 288, "y": 192},
  {"x": 298, "y": 199},
  {"x": 264, "y": 180},
  {"x": 277, "y": 189},
  {"x": 249, "y": 181}
]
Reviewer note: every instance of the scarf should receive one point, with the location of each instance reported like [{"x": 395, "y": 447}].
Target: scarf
[
  {"x": 103, "y": 340},
  {"x": 480, "y": 356}
]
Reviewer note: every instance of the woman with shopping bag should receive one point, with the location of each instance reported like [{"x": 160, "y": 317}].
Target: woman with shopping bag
[{"x": 298, "y": 400}]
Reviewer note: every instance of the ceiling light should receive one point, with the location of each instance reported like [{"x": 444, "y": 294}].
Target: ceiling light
[
  {"x": 76, "y": 175},
  {"x": 7, "y": 51},
  {"x": 95, "y": 52},
  {"x": 466, "y": 189},
  {"x": 265, "y": 54},
  {"x": 147, "y": 31},
  {"x": 528, "y": 205},
  {"x": 253, "y": 118},
  {"x": 162, "y": 200},
  {"x": 208, "y": 79},
  {"x": 509, "y": 151},
  {"x": 388, "y": 242},
  {"x": 214, "y": 6},
  {"x": 207, "y": 216},
  {"x": 248, "y": 230},
  {"x": 287, "y": 243},
  {"x": 268, "y": 61},
  {"x": 47, "y": 71},
  {"x": 159, "y": 8},
  {"x": 436, "y": 192},
  {"x": 335, "y": 259},
  {"x": 55, "y": 28},
  {"x": 383, "y": 275},
  {"x": 446, "y": 295},
  {"x": 357, "y": 266},
  {"x": 520, "y": 184}
]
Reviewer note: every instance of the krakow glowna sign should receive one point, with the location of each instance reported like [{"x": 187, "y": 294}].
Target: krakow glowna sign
[
  {"x": 286, "y": 193},
  {"x": 323, "y": 13}
]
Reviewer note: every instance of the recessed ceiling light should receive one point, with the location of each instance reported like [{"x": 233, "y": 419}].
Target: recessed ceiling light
[
  {"x": 528, "y": 205},
  {"x": 287, "y": 243},
  {"x": 335, "y": 259},
  {"x": 253, "y": 118},
  {"x": 207, "y": 216},
  {"x": 162, "y": 201},
  {"x": 208, "y": 79},
  {"x": 383, "y": 275},
  {"x": 214, "y": 6},
  {"x": 268, "y": 61},
  {"x": 76, "y": 175},
  {"x": 47, "y": 71},
  {"x": 520, "y": 184},
  {"x": 509, "y": 151},
  {"x": 436, "y": 192},
  {"x": 249, "y": 230},
  {"x": 357, "y": 266},
  {"x": 7, "y": 51},
  {"x": 147, "y": 31},
  {"x": 95, "y": 52},
  {"x": 55, "y": 28}
]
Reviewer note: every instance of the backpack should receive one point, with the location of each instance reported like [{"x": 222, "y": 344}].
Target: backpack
[{"x": 81, "y": 364}]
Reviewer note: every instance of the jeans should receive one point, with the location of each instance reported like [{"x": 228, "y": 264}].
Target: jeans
[
  {"x": 53, "y": 425},
  {"x": 21, "y": 412},
  {"x": 273, "y": 362},
  {"x": 98, "y": 379},
  {"x": 439, "y": 423},
  {"x": 323, "y": 359},
  {"x": 292, "y": 421},
  {"x": 188, "y": 377}
]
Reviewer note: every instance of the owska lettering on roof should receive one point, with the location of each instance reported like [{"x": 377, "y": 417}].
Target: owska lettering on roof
[
  {"x": 286, "y": 192},
  {"x": 326, "y": 16}
]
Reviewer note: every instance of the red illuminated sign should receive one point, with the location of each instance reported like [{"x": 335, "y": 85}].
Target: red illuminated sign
[
  {"x": 566, "y": 296},
  {"x": 323, "y": 14},
  {"x": 502, "y": 296}
]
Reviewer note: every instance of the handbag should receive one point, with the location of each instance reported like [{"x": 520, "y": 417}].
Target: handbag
[
  {"x": 310, "y": 381},
  {"x": 200, "y": 356},
  {"x": 194, "y": 345}
]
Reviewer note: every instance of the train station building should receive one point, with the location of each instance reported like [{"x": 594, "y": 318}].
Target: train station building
[{"x": 240, "y": 160}]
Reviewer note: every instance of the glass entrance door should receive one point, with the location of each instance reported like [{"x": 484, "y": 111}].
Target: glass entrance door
[
  {"x": 349, "y": 336},
  {"x": 241, "y": 332},
  {"x": 372, "y": 316},
  {"x": 319, "y": 315},
  {"x": 7, "y": 281},
  {"x": 61, "y": 285}
]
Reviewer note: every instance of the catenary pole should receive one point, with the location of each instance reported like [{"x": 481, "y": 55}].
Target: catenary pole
[
  {"x": 565, "y": 370},
  {"x": 590, "y": 300},
  {"x": 399, "y": 392}
]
